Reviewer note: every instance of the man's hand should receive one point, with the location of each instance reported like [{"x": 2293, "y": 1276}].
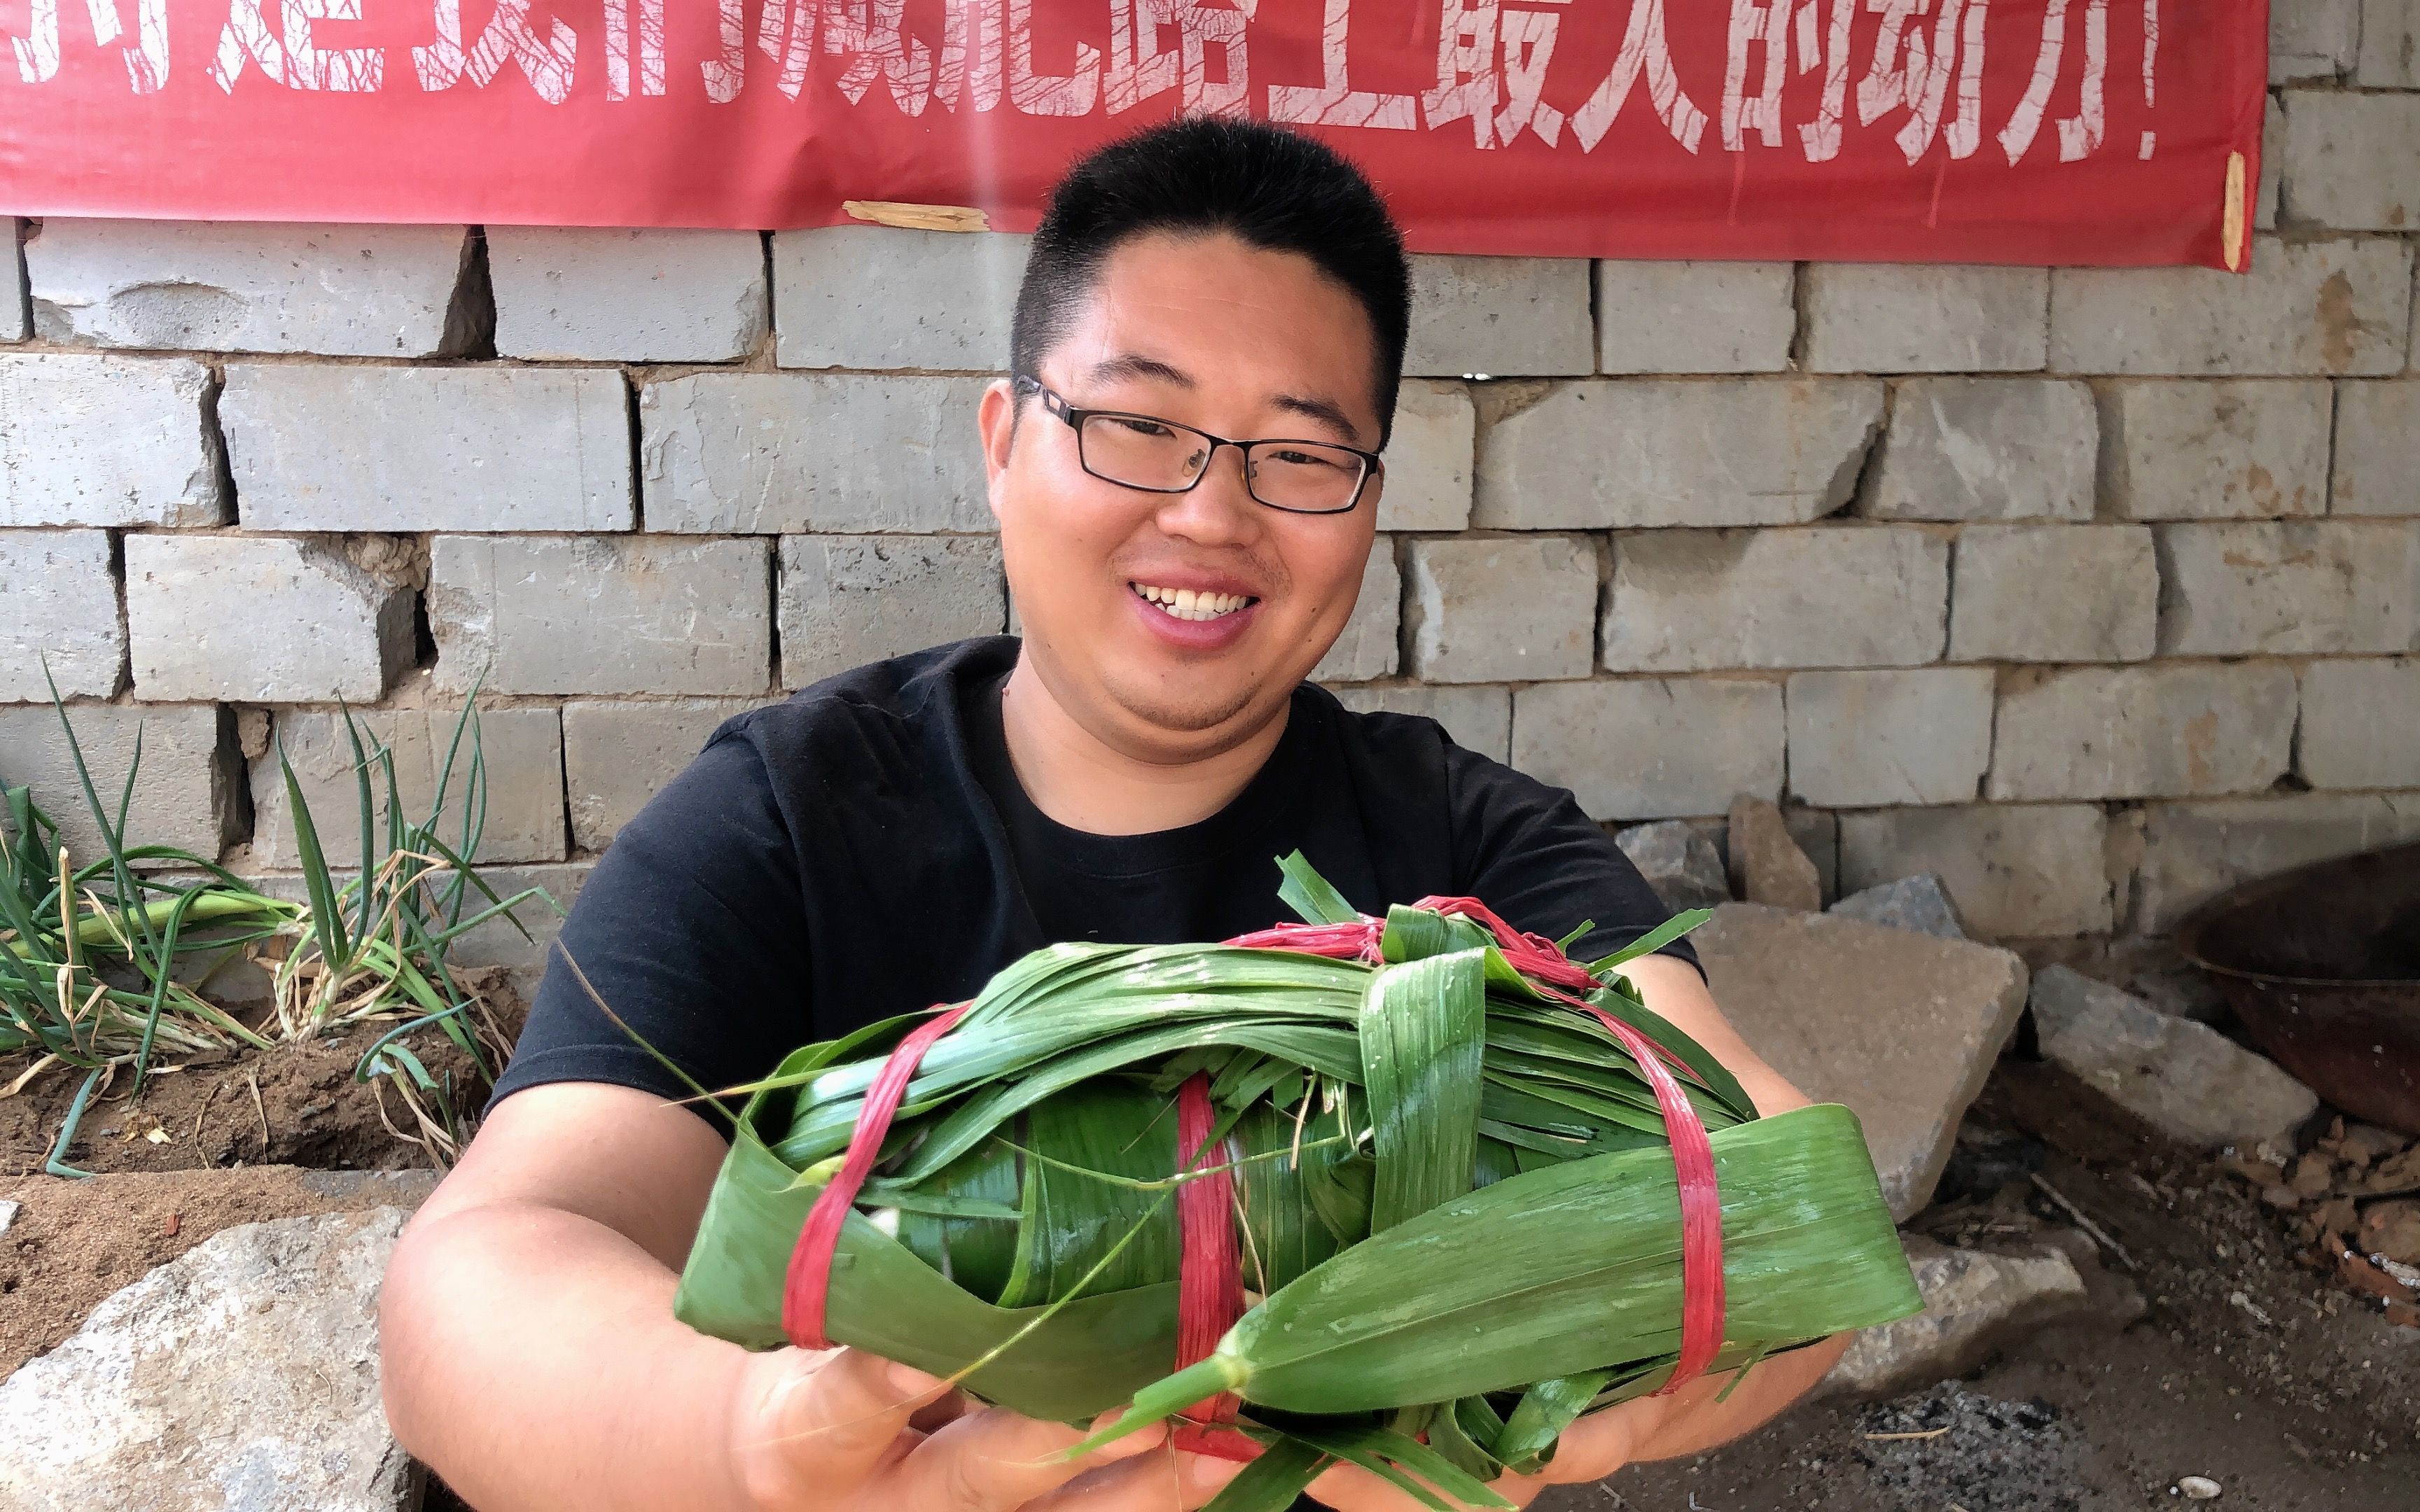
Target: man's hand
[
  {"x": 1690, "y": 1420},
  {"x": 532, "y": 1359},
  {"x": 845, "y": 1430}
]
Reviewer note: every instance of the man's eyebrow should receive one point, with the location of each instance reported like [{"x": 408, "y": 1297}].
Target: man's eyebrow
[
  {"x": 1134, "y": 365},
  {"x": 1317, "y": 410}
]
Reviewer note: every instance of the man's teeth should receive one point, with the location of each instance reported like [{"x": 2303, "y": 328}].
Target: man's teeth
[{"x": 1185, "y": 604}]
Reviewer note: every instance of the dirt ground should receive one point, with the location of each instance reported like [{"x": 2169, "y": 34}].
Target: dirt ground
[
  {"x": 2251, "y": 1367},
  {"x": 292, "y": 1104}
]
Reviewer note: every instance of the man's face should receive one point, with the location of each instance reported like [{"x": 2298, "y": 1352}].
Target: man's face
[{"x": 1229, "y": 339}]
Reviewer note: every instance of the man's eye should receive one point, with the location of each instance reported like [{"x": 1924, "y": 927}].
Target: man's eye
[
  {"x": 1140, "y": 425},
  {"x": 1296, "y": 458}
]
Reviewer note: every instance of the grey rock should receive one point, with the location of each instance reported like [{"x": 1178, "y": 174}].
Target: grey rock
[
  {"x": 2183, "y": 1078},
  {"x": 240, "y": 1377},
  {"x": 1766, "y": 865},
  {"x": 1679, "y": 861},
  {"x": 9, "y": 1214},
  {"x": 1919, "y": 902},
  {"x": 1900, "y": 1026},
  {"x": 1974, "y": 1302}
]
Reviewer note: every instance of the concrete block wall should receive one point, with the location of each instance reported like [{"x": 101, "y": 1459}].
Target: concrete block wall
[{"x": 2092, "y": 590}]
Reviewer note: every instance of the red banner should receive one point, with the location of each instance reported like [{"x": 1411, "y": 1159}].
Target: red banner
[{"x": 2098, "y": 132}]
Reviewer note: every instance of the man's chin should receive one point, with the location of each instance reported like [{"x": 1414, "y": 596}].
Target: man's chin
[{"x": 1184, "y": 715}]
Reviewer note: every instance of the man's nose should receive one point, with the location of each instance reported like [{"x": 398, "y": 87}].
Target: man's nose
[{"x": 1217, "y": 511}]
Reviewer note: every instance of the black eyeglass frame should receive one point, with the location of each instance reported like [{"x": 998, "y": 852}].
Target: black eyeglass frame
[{"x": 1056, "y": 404}]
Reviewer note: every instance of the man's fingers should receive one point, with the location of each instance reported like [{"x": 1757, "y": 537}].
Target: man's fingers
[
  {"x": 994, "y": 1460},
  {"x": 830, "y": 1420},
  {"x": 1162, "y": 1480}
]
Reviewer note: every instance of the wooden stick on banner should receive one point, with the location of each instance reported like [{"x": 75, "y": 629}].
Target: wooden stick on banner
[{"x": 917, "y": 217}]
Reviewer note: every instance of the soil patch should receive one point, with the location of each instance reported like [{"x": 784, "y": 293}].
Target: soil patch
[
  {"x": 295, "y": 1103},
  {"x": 72, "y": 1244},
  {"x": 2252, "y": 1366}
]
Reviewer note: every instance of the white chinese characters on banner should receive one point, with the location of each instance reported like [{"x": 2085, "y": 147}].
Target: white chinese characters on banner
[{"x": 1916, "y": 66}]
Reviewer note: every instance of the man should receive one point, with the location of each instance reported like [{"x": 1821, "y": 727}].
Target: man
[{"x": 891, "y": 838}]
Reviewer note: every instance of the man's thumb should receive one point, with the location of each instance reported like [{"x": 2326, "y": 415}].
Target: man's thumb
[{"x": 833, "y": 1417}]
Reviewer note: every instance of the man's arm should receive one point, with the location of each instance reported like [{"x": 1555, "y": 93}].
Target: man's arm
[
  {"x": 531, "y": 1355},
  {"x": 1690, "y": 1420}
]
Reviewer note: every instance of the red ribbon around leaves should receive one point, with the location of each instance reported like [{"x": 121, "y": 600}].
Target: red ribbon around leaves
[{"x": 1209, "y": 1277}]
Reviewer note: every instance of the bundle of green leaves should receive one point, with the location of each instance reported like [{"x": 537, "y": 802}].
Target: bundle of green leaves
[{"x": 1455, "y": 1205}]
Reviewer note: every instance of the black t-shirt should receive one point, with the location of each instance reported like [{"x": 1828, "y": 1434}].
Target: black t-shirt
[{"x": 865, "y": 850}]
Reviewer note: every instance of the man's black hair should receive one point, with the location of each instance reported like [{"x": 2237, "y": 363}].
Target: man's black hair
[{"x": 1263, "y": 184}]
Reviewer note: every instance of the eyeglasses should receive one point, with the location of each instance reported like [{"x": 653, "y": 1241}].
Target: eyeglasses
[{"x": 1155, "y": 455}]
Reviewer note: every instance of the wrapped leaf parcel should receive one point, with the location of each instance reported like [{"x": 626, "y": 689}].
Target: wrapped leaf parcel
[{"x": 1455, "y": 1214}]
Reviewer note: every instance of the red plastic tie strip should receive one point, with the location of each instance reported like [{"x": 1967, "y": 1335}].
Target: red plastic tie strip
[
  {"x": 1209, "y": 1271},
  {"x": 1543, "y": 961},
  {"x": 807, "y": 1288}
]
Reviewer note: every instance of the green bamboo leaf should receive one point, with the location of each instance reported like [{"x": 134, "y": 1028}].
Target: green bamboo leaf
[
  {"x": 1271, "y": 1482},
  {"x": 1423, "y": 1027},
  {"x": 1312, "y": 898}
]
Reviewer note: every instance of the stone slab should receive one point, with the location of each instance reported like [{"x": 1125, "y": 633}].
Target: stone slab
[
  {"x": 2053, "y": 592},
  {"x": 1872, "y": 738},
  {"x": 2352, "y": 160},
  {"x": 1827, "y": 595},
  {"x": 885, "y": 298},
  {"x": 1369, "y": 647},
  {"x": 1961, "y": 448},
  {"x": 1428, "y": 480},
  {"x": 2377, "y": 449},
  {"x": 2316, "y": 587},
  {"x": 1499, "y": 316},
  {"x": 1652, "y": 747},
  {"x": 793, "y": 453},
  {"x": 243, "y": 1374},
  {"x": 361, "y": 448},
  {"x": 2157, "y": 731},
  {"x": 1918, "y": 903},
  {"x": 244, "y": 287},
  {"x": 1643, "y": 452},
  {"x": 520, "y": 750},
  {"x": 847, "y": 600},
  {"x": 2018, "y": 871},
  {"x": 108, "y": 441},
  {"x": 2361, "y": 723},
  {"x": 260, "y": 619},
  {"x": 657, "y": 295},
  {"x": 2316, "y": 307},
  {"x": 1975, "y": 1304},
  {"x": 2188, "y": 450},
  {"x": 618, "y": 753},
  {"x": 1695, "y": 317},
  {"x": 1900, "y": 1026},
  {"x": 1679, "y": 861},
  {"x": 2191, "y": 851},
  {"x": 2185, "y": 1079},
  {"x": 184, "y": 791},
  {"x": 1492, "y": 609},
  {"x": 59, "y": 614},
  {"x": 1910, "y": 317},
  {"x": 617, "y": 614},
  {"x": 1765, "y": 863},
  {"x": 1475, "y": 717}
]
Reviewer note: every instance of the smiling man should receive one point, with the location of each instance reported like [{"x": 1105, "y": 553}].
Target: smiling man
[{"x": 1186, "y": 466}]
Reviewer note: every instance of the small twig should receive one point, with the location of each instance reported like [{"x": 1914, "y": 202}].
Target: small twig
[
  {"x": 1890, "y": 1438},
  {"x": 202, "y": 1113},
  {"x": 2100, "y": 1235},
  {"x": 261, "y": 1107}
]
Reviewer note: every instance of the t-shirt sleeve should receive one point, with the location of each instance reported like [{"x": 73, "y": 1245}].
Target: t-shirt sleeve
[
  {"x": 690, "y": 929},
  {"x": 1535, "y": 858}
]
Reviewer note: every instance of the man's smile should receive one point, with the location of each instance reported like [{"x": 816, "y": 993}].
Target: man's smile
[{"x": 1188, "y": 604}]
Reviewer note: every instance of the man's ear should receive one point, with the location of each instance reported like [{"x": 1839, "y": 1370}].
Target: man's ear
[{"x": 996, "y": 420}]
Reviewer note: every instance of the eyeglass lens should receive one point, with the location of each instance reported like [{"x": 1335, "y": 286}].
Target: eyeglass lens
[{"x": 1140, "y": 453}]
